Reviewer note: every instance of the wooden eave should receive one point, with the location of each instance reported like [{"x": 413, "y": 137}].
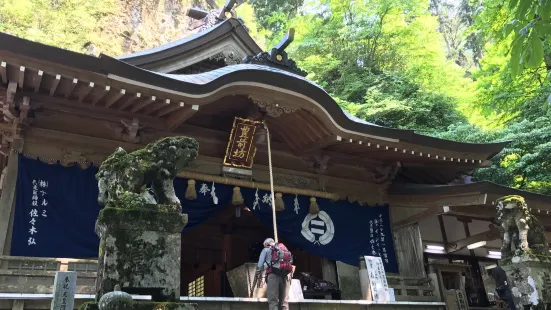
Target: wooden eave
[
  {"x": 193, "y": 45},
  {"x": 473, "y": 200},
  {"x": 108, "y": 88}
]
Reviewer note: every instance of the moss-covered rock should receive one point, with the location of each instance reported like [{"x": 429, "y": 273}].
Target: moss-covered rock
[
  {"x": 530, "y": 282},
  {"x": 140, "y": 249},
  {"x": 140, "y": 220},
  {"x": 122, "y": 177},
  {"x": 140, "y": 229}
]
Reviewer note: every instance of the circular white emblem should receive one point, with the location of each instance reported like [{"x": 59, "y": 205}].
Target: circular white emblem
[{"x": 318, "y": 228}]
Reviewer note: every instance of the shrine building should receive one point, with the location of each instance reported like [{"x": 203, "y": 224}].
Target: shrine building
[{"x": 346, "y": 188}]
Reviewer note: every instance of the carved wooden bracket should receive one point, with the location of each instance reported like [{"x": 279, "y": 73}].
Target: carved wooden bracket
[
  {"x": 128, "y": 131},
  {"x": 272, "y": 108},
  {"x": 8, "y": 106},
  {"x": 15, "y": 113},
  {"x": 73, "y": 156},
  {"x": 228, "y": 57},
  {"x": 383, "y": 174},
  {"x": 318, "y": 163}
]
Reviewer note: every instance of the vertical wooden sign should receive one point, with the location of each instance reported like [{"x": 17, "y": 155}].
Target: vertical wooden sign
[
  {"x": 65, "y": 284},
  {"x": 241, "y": 150}
]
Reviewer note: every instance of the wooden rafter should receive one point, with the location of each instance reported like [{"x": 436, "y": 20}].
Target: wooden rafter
[
  {"x": 71, "y": 88},
  {"x": 21, "y": 77},
  {"x": 115, "y": 98},
  {"x": 171, "y": 108},
  {"x": 320, "y": 144},
  {"x": 38, "y": 80},
  {"x": 156, "y": 107},
  {"x": 416, "y": 218},
  {"x": 3, "y": 73},
  {"x": 422, "y": 201},
  {"x": 179, "y": 118},
  {"x": 55, "y": 83},
  {"x": 85, "y": 92},
  {"x": 480, "y": 212},
  {"x": 147, "y": 101},
  {"x": 130, "y": 101},
  {"x": 101, "y": 95},
  {"x": 73, "y": 107},
  {"x": 491, "y": 234}
]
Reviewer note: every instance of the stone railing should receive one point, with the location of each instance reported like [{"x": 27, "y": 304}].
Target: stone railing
[
  {"x": 36, "y": 275},
  {"x": 412, "y": 289}
]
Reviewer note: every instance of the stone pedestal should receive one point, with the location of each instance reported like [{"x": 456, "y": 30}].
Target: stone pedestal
[
  {"x": 241, "y": 282},
  {"x": 140, "y": 251},
  {"x": 530, "y": 281},
  {"x": 146, "y": 305}
]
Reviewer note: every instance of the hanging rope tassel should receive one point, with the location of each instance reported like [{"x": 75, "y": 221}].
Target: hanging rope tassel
[
  {"x": 191, "y": 194},
  {"x": 271, "y": 181},
  {"x": 237, "y": 198},
  {"x": 314, "y": 208},
  {"x": 279, "y": 204}
]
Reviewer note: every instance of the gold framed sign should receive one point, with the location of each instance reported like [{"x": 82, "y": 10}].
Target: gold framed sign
[{"x": 241, "y": 150}]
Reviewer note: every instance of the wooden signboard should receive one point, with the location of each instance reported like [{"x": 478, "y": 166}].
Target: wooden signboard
[
  {"x": 65, "y": 284},
  {"x": 461, "y": 300},
  {"x": 241, "y": 149},
  {"x": 377, "y": 279}
]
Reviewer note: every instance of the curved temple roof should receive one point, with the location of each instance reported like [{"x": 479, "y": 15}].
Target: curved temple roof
[
  {"x": 193, "y": 41},
  {"x": 206, "y": 84}
]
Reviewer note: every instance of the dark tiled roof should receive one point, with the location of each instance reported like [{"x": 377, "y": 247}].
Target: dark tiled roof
[
  {"x": 207, "y": 77},
  {"x": 169, "y": 45}
]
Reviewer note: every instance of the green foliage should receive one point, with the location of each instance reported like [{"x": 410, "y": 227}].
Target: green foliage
[
  {"x": 393, "y": 101},
  {"x": 68, "y": 24},
  {"x": 525, "y": 163},
  {"x": 525, "y": 24},
  {"x": 274, "y": 16}
]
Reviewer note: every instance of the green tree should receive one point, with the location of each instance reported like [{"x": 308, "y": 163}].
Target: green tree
[
  {"x": 525, "y": 25},
  {"x": 68, "y": 24},
  {"x": 274, "y": 16}
]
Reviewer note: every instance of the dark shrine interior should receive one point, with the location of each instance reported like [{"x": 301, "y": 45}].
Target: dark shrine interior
[{"x": 227, "y": 241}]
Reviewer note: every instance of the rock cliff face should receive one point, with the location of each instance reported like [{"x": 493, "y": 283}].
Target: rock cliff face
[
  {"x": 142, "y": 24},
  {"x": 113, "y": 27}
]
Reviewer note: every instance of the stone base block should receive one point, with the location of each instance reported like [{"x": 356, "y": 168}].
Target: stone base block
[
  {"x": 140, "y": 251},
  {"x": 241, "y": 281},
  {"x": 146, "y": 305},
  {"x": 531, "y": 282}
]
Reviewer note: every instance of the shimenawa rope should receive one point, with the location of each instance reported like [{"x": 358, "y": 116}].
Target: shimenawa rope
[{"x": 271, "y": 181}]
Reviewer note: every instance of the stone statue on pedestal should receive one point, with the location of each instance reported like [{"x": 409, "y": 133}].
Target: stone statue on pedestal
[
  {"x": 519, "y": 227},
  {"x": 525, "y": 253},
  {"x": 140, "y": 227}
]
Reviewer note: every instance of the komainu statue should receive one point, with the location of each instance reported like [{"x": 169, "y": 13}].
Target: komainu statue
[
  {"x": 519, "y": 227},
  {"x": 123, "y": 176}
]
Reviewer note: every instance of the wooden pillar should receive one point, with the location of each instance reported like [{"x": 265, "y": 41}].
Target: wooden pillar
[
  {"x": 443, "y": 232},
  {"x": 7, "y": 200},
  {"x": 228, "y": 250},
  {"x": 228, "y": 261},
  {"x": 409, "y": 251},
  {"x": 329, "y": 270}
]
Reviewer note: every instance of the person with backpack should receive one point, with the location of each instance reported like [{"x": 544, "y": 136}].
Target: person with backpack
[{"x": 278, "y": 262}]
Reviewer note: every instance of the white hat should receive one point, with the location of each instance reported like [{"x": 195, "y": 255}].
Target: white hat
[{"x": 268, "y": 241}]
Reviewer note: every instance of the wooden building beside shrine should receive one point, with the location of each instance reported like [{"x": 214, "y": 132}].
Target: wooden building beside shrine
[{"x": 75, "y": 109}]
